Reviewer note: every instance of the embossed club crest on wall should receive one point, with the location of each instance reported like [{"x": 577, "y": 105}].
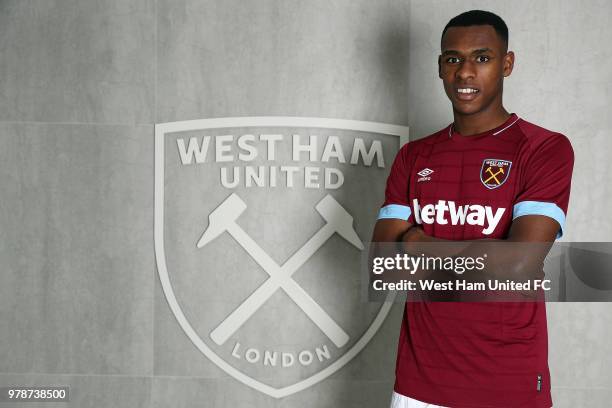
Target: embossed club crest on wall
[{"x": 259, "y": 227}]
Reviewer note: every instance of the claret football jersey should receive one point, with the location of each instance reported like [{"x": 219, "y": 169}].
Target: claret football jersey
[{"x": 489, "y": 354}]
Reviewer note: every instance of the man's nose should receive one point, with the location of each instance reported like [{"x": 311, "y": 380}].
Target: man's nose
[{"x": 466, "y": 70}]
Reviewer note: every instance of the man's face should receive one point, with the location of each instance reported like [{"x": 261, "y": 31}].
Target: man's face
[{"x": 472, "y": 67}]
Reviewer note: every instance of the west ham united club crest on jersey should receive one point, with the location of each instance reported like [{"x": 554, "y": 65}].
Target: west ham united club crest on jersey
[{"x": 494, "y": 172}]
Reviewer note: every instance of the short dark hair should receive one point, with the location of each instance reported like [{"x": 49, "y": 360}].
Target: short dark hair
[{"x": 479, "y": 17}]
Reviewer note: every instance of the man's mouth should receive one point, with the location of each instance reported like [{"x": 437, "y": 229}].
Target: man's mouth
[{"x": 467, "y": 93}]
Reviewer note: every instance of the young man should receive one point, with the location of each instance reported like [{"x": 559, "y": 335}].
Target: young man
[{"x": 488, "y": 354}]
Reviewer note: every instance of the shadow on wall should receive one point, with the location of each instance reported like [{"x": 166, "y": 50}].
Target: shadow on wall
[
  {"x": 393, "y": 55},
  {"x": 430, "y": 109}
]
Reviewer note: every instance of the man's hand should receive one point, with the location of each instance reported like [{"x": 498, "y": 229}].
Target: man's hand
[{"x": 414, "y": 234}]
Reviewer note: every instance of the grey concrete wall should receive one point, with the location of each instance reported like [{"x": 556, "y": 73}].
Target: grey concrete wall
[
  {"x": 81, "y": 85},
  {"x": 561, "y": 81},
  {"x": 83, "y": 82}
]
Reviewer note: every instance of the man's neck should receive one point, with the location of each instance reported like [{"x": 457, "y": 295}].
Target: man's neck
[{"x": 480, "y": 122}]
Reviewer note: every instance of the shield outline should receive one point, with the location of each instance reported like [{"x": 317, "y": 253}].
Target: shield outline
[
  {"x": 160, "y": 255},
  {"x": 505, "y": 179}
]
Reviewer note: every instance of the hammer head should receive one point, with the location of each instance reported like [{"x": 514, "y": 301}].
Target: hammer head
[
  {"x": 221, "y": 218},
  {"x": 339, "y": 219}
]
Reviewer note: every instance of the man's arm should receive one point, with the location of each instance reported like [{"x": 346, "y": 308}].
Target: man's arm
[
  {"x": 533, "y": 228},
  {"x": 394, "y": 217},
  {"x": 512, "y": 261},
  {"x": 390, "y": 230},
  {"x": 528, "y": 228}
]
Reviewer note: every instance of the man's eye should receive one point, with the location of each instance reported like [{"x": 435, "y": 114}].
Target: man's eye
[
  {"x": 452, "y": 60},
  {"x": 482, "y": 58}
]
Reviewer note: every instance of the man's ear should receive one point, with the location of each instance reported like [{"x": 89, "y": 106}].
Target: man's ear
[
  {"x": 508, "y": 63},
  {"x": 440, "y": 66}
]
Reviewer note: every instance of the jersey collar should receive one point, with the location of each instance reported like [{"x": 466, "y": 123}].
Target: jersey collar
[{"x": 452, "y": 134}]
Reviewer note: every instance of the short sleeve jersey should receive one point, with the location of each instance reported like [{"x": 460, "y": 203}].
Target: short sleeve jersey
[{"x": 470, "y": 187}]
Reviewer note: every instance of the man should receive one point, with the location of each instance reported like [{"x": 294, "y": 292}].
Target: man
[{"x": 468, "y": 355}]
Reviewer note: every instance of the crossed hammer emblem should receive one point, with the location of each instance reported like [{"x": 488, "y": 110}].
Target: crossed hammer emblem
[
  {"x": 223, "y": 219},
  {"x": 493, "y": 176}
]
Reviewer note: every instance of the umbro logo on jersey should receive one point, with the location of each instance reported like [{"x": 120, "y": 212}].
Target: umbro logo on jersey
[
  {"x": 425, "y": 173},
  {"x": 447, "y": 211}
]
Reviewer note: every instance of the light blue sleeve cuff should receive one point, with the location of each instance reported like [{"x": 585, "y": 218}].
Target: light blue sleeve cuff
[
  {"x": 540, "y": 208},
  {"x": 401, "y": 212}
]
